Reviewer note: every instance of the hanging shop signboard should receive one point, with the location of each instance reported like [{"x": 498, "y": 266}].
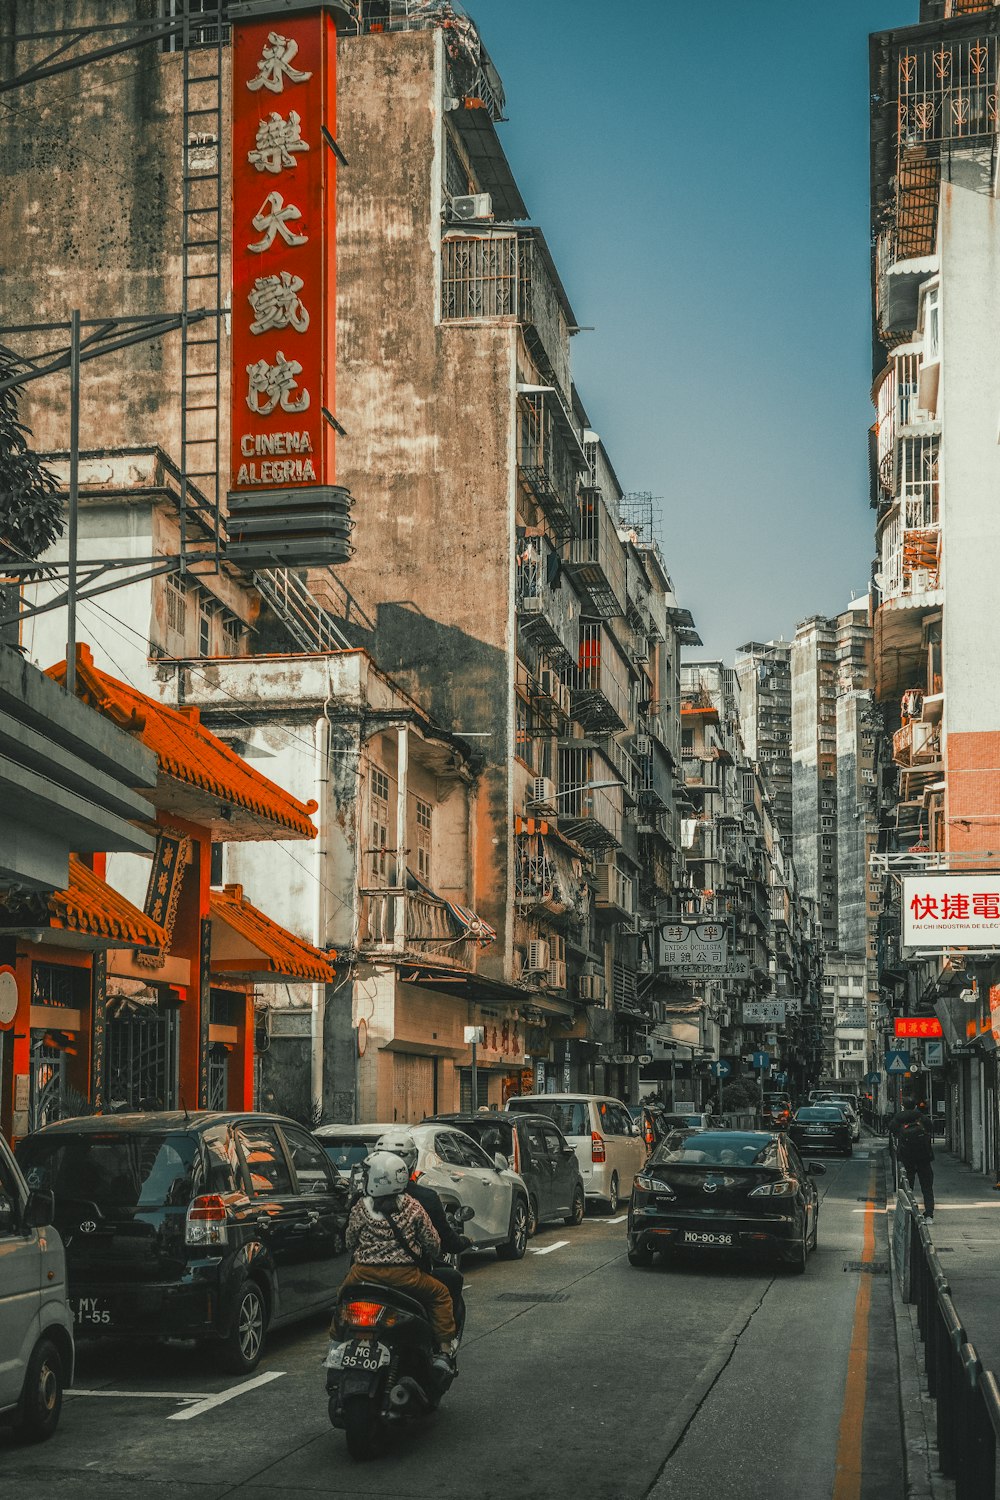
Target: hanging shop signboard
[
  {"x": 763, "y": 1013},
  {"x": 951, "y": 911},
  {"x": 918, "y": 1026},
  {"x": 693, "y": 949},
  {"x": 283, "y": 494}
]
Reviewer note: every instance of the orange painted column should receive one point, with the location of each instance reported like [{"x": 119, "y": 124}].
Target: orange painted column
[{"x": 189, "y": 941}]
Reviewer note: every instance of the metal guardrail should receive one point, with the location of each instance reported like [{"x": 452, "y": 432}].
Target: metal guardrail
[{"x": 966, "y": 1395}]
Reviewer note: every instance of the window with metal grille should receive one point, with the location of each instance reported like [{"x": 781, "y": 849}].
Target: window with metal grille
[
  {"x": 232, "y": 636},
  {"x": 176, "y": 595},
  {"x": 425, "y": 815},
  {"x": 205, "y": 35}
]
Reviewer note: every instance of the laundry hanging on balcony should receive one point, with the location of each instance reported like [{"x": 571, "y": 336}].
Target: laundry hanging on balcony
[{"x": 468, "y": 923}]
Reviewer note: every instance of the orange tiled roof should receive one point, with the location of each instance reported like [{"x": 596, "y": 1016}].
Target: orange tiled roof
[
  {"x": 285, "y": 955},
  {"x": 188, "y": 752},
  {"x": 91, "y": 906}
]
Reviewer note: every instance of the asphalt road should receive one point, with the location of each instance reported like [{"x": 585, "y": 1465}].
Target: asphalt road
[{"x": 710, "y": 1378}]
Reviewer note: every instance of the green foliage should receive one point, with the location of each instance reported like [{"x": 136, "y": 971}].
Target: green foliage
[
  {"x": 741, "y": 1094},
  {"x": 31, "y": 507}
]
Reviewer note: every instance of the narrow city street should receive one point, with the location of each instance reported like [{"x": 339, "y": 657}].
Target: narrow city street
[{"x": 580, "y": 1375}]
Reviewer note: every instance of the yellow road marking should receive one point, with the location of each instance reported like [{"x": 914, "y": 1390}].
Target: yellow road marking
[{"x": 847, "y": 1483}]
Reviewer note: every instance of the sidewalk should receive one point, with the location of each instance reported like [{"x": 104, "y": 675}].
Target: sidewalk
[{"x": 966, "y": 1235}]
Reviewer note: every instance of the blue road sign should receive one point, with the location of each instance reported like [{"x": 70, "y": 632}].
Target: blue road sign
[
  {"x": 761, "y": 1060},
  {"x": 872, "y": 1077},
  {"x": 896, "y": 1062},
  {"x": 721, "y": 1069}
]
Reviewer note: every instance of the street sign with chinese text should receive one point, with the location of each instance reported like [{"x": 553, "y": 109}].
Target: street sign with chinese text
[
  {"x": 934, "y": 1054},
  {"x": 283, "y": 342},
  {"x": 692, "y": 949},
  {"x": 949, "y": 911},
  {"x": 918, "y": 1026},
  {"x": 763, "y": 1012}
]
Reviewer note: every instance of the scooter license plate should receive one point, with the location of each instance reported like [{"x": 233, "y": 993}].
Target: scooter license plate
[{"x": 366, "y": 1358}]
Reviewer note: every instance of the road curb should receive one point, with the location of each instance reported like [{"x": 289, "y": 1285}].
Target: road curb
[{"x": 923, "y": 1479}]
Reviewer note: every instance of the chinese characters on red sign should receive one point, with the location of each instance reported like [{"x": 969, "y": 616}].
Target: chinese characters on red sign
[
  {"x": 957, "y": 907},
  {"x": 918, "y": 1026},
  {"x": 284, "y": 304}
]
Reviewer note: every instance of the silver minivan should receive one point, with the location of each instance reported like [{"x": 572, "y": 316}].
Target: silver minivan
[
  {"x": 606, "y": 1139},
  {"x": 36, "y": 1325}
]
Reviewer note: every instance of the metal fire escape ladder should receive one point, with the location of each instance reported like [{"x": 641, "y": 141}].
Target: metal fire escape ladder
[
  {"x": 311, "y": 627},
  {"x": 201, "y": 285}
]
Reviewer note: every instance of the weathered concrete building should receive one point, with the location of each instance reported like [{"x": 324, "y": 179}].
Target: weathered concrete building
[{"x": 764, "y": 673}]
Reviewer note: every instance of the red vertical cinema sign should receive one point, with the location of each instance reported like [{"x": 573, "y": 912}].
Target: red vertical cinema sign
[{"x": 283, "y": 256}]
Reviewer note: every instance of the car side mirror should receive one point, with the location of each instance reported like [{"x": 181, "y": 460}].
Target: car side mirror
[
  {"x": 500, "y": 1162},
  {"x": 569, "y": 1151},
  {"x": 816, "y": 1169},
  {"x": 39, "y": 1211}
]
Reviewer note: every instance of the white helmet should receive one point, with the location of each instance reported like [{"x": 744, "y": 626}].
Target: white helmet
[
  {"x": 387, "y": 1174},
  {"x": 400, "y": 1143}
]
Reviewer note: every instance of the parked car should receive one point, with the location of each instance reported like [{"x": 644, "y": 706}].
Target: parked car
[
  {"x": 539, "y": 1153},
  {"x": 697, "y": 1121},
  {"x": 347, "y": 1146},
  {"x": 36, "y": 1325},
  {"x": 205, "y": 1226},
  {"x": 720, "y": 1190},
  {"x": 821, "y": 1127},
  {"x": 607, "y": 1142},
  {"x": 460, "y": 1173}
]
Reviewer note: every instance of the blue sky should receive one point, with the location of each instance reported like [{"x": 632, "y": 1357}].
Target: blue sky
[{"x": 700, "y": 171}]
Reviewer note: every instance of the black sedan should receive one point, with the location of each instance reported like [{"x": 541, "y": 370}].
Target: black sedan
[
  {"x": 712, "y": 1190},
  {"x": 821, "y": 1127}
]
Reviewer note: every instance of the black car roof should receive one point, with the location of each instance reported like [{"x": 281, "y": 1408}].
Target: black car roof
[
  {"x": 494, "y": 1117},
  {"x": 155, "y": 1122}
]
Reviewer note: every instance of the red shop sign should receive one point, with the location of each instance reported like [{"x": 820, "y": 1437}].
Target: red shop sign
[
  {"x": 283, "y": 255},
  {"x": 919, "y": 1026}
]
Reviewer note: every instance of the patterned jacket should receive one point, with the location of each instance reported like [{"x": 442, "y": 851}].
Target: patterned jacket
[{"x": 372, "y": 1242}]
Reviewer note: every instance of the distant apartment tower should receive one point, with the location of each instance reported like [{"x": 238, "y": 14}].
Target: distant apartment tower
[{"x": 764, "y": 673}]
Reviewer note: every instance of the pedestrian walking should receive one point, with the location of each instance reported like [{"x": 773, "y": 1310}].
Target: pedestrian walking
[{"x": 910, "y": 1138}]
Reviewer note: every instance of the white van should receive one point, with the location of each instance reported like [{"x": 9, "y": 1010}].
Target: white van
[
  {"x": 607, "y": 1141},
  {"x": 36, "y": 1325}
]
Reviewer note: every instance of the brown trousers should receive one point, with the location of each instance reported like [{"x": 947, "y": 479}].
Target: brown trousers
[{"x": 433, "y": 1294}]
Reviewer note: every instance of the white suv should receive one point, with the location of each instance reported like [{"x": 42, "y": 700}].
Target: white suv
[
  {"x": 606, "y": 1139},
  {"x": 36, "y": 1326}
]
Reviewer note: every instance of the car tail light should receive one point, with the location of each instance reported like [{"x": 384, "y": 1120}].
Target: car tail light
[
  {"x": 785, "y": 1188},
  {"x": 362, "y": 1314},
  {"x": 207, "y": 1221},
  {"x": 647, "y": 1184},
  {"x": 515, "y": 1159},
  {"x": 597, "y": 1151}
]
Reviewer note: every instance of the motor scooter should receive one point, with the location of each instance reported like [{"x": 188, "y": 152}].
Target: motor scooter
[{"x": 381, "y": 1367}]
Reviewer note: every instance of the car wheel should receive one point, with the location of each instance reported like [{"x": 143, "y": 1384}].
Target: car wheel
[
  {"x": 797, "y": 1259},
  {"x": 360, "y": 1427},
  {"x": 576, "y": 1216},
  {"x": 517, "y": 1240},
  {"x": 41, "y": 1394},
  {"x": 640, "y": 1256},
  {"x": 532, "y": 1218},
  {"x": 613, "y": 1198},
  {"x": 240, "y": 1351}
]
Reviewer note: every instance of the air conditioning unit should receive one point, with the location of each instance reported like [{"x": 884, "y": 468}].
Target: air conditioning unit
[
  {"x": 920, "y": 580},
  {"x": 465, "y": 207},
  {"x": 532, "y": 604},
  {"x": 590, "y": 987},
  {"x": 538, "y": 957},
  {"x": 542, "y": 795},
  {"x": 557, "y": 975},
  {"x": 642, "y": 745}
]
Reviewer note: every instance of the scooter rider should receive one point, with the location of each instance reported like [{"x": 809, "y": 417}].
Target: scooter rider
[
  {"x": 402, "y": 1144},
  {"x": 391, "y": 1238}
]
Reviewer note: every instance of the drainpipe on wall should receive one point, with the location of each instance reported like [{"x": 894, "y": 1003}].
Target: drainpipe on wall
[{"x": 317, "y": 1020}]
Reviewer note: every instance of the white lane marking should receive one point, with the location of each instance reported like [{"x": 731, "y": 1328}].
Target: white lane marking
[
  {"x": 142, "y": 1395},
  {"x": 548, "y": 1249},
  {"x": 620, "y": 1219},
  {"x": 221, "y": 1397}
]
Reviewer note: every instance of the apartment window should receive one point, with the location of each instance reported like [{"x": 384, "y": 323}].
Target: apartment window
[
  {"x": 201, "y": 36},
  {"x": 828, "y": 822},
  {"x": 521, "y": 745},
  {"x": 687, "y": 739},
  {"x": 232, "y": 636},
  {"x": 380, "y": 825},
  {"x": 176, "y": 595},
  {"x": 827, "y": 843},
  {"x": 204, "y": 631},
  {"x": 932, "y": 324},
  {"x": 424, "y": 816}
]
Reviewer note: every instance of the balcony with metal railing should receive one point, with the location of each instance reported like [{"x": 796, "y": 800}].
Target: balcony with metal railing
[
  {"x": 596, "y": 559},
  {"x": 599, "y": 682},
  {"x": 590, "y": 798},
  {"x": 550, "y": 458},
  {"x": 548, "y": 617},
  {"x": 397, "y": 922}
]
